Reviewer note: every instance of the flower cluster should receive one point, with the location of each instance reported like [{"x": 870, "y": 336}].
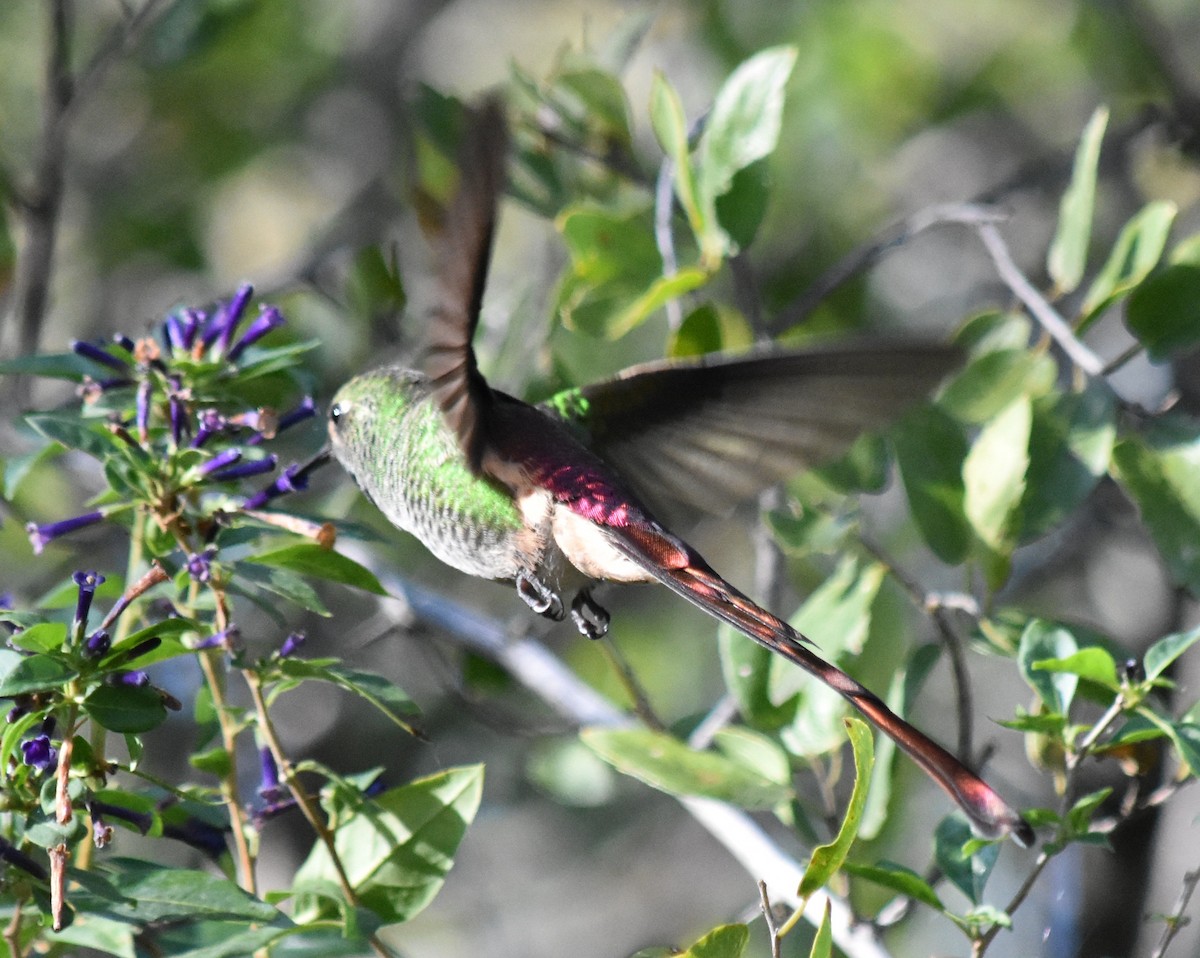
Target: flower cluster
[{"x": 183, "y": 438}]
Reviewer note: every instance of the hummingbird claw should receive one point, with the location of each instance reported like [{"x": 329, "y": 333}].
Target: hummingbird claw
[
  {"x": 539, "y": 596},
  {"x": 589, "y": 617}
]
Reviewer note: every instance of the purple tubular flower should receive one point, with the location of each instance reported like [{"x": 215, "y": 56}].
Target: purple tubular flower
[
  {"x": 143, "y": 409},
  {"x": 173, "y": 333},
  {"x": 124, "y": 342},
  {"x": 269, "y": 317},
  {"x": 98, "y": 355},
  {"x": 211, "y": 422},
  {"x": 190, "y": 321},
  {"x": 275, "y": 796},
  {"x": 225, "y": 320},
  {"x": 269, "y": 771},
  {"x": 224, "y": 639},
  {"x": 293, "y": 479},
  {"x": 145, "y": 647},
  {"x": 200, "y": 835},
  {"x": 14, "y": 856},
  {"x": 291, "y": 645},
  {"x": 177, "y": 411},
  {"x": 305, "y": 410},
  {"x": 220, "y": 461},
  {"x": 97, "y": 644},
  {"x": 132, "y": 680},
  {"x": 245, "y": 469},
  {"x": 87, "y": 582},
  {"x": 37, "y": 752},
  {"x": 6, "y": 600},
  {"x": 41, "y": 535}
]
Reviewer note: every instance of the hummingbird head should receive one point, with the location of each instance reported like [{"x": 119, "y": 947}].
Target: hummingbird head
[{"x": 368, "y": 412}]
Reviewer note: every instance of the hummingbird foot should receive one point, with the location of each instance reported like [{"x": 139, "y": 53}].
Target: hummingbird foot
[
  {"x": 589, "y": 617},
  {"x": 539, "y": 596}
]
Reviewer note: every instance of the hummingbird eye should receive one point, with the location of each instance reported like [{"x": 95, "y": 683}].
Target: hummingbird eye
[{"x": 336, "y": 412}]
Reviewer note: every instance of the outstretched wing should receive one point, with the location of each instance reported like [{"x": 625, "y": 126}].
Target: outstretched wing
[
  {"x": 717, "y": 431},
  {"x": 463, "y": 249}
]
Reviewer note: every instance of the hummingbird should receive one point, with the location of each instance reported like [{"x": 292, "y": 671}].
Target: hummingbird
[{"x": 553, "y": 498}]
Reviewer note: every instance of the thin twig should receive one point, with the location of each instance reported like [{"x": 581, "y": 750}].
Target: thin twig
[
  {"x": 664, "y": 236},
  {"x": 866, "y": 255},
  {"x": 1175, "y": 922},
  {"x": 1041, "y": 310},
  {"x": 769, "y": 918},
  {"x": 982, "y": 943}
]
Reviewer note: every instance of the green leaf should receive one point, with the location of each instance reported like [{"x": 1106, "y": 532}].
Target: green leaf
[
  {"x": 746, "y": 666},
  {"x": 311, "y": 559},
  {"x": 742, "y": 128},
  {"x": 35, "y": 673},
  {"x": 1159, "y": 472},
  {"x": 725, "y": 941},
  {"x": 1079, "y": 817},
  {"x": 670, "y": 126},
  {"x": 1068, "y": 250},
  {"x": 967, "y": 872},
  {"x": 993, "y": 380},
  {"x": 125, "y": 709},
  {"x": 661, "y": 291},
  {"x": 1138, "y": 249},
  {"x": 1164, "y": 311},
  {"x": 1042, "y": 641},
  {"x": 18, "y": 468},
  {"x": 827, "y": 859},
  {"x": 381, "y": 692},
  {"x": 994, "y": 483},
  {"x": 822, "y": 946},
  {"x": 143, "y": 892},
  {"x": 1092, "y": 664},
  {"x": 1166, "y": 650},
  {"x": 1071, "y": 441},
  {"x": 43, "y": 637},
  {"x": 899, "y": 879},
  {"x": 100, "y": 934},
  {"x": 667, "y": 764},
  {"x": 710, "y": 328},
  {"x": 930, "y": 450},
  {"x": 283, "y": 583},
  {"x": 398, "y": 848},
  {"x": 87, "y": 435}
]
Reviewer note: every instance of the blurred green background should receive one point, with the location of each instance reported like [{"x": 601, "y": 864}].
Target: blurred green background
[{"x": 272, "y": 140}]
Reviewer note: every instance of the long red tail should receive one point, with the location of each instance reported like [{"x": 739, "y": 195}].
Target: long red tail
[{"x": 991, "y": 816}]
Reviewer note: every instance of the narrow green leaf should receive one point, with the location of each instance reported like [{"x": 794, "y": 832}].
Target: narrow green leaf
[
  {"x": 1043, "y": 640},
  {"x": 746, "y": 666},
  {"x": 661, "y": 291},
  {"x": 710, "y": 328},
  {"x": 827, "y": 859},
  {"x": 899, "y": 879},
  {"x": 1080, "y": 815},
  {"x": 671, "y": 127},
  {"x": 1166, "y": 650},
  {"x": 667, "y": 764},
  {"x": 1138, "y": 249},
  {"x": 930, "y": 450},
  {"x": 381, "y": 692},
  {"x": 282, "y": 582},
  {"x": 398, "y": 849},
  {"x": 70, "y": 366},
  {"x": 994, "y": 379},
  {"x": 311, "y": 559},
  {"x": 1068, "y": 250},
  {"x": 87, "y": 435},
  {"x": 967, "y": 872},
  {"x": 1163, "y": 312},
  {"x": 822, "y": 946},
  {"x": 105, "y": 935},
  {"x": 143, "y": 892}
]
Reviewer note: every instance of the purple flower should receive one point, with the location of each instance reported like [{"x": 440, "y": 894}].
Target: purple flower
[
  {"x": 218, "y": 462},
  {"x": 293, "y": 479},
  {"x": 98, "y": 355},
  {"x": 39, "y": 753},
  {"x": 199, "y": 564},
  {"x": 124, "y": 342},
  {"x": 269, "y": 770},
  {"x": 97, "y": 644},
  {"x": 190, "y": 321},
  {"x": 173, "y": 336},
  {"x": 143, "y": 410},
  {"x": 6, "y": 600},
  {"x": 87, "y": 582},
  {"x": 200, "y": 835},
  {"x": 41, "y": 535},
  {"x": 275, "y": 796},
  {"x": 102, "y": 832},
  {"x": 225, "y": 639},
  {"x": 243, "y": 470},
  {"x": 131, "y": 680},
  {"x": 177, "y": 411},
  {"x": 139, "y": 820},
  {"x": 221, "y": 327},
  {"x": 268, "y": 318},
  {"x": 291, "y": 645},
  {"x": 145, "y": 647},
  {"x": 305, "y": 410},
  {"x": 211, "y": 422}
]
